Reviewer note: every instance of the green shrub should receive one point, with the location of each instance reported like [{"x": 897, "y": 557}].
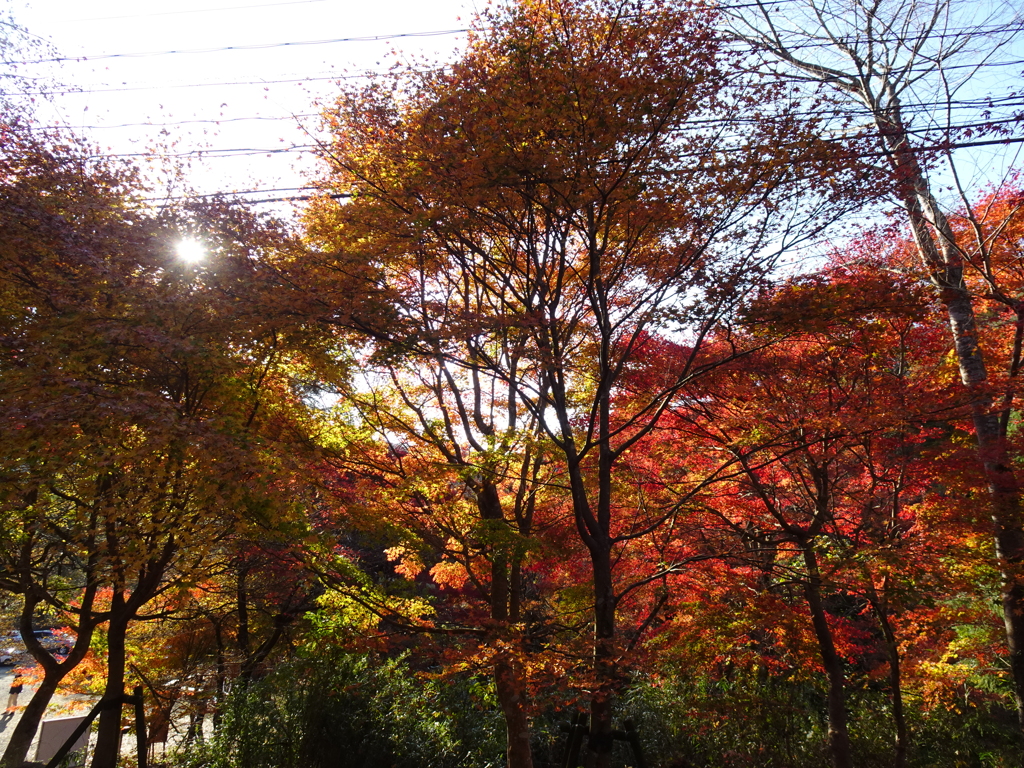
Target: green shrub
[
  {"x": 350, "y": 711},
  {"x": 753, "y": 720}
]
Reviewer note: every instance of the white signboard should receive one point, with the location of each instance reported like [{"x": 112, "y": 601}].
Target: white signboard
[{"x": 54, "y": 733}]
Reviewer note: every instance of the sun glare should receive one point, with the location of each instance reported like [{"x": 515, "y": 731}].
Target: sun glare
[{"x": 191, "y": 251}]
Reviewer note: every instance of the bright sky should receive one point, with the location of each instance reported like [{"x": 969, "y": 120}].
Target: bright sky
[{"x": 247, "y": 105}]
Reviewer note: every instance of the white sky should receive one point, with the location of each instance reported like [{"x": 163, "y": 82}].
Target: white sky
[
  {"x": 245, "y": 106},
  {"x": 233, "y": 92}
]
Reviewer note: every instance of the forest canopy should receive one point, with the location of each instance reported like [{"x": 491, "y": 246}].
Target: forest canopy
[{"x": 628, "y": 393}]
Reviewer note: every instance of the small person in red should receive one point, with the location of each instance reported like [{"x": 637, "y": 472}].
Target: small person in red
[{"x": 17, "y": 686}]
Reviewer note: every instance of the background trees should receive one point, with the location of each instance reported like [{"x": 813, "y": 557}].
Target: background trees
[
  {"x": 139, "y": 396},
  {"x": 462, "y": 484},
  {"x": 877, "y": 55},
  {"x": 533, "y": 403},
  {"x": 548, "y": 203}
]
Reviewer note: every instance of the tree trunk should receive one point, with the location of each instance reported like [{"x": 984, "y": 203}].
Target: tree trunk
[
  {"x": 510, "y": 688},
  {"x": 21, "y": 739},
  {"x": 944, "y": 262},
  {"x": 508, "y": 678},
  {"x": 600, "y": 741},
  {"x": 108, "y": 733},
  {"x": 899, "y": 758},
  {"x": 222, "y": 675},
  {"x": 838, "y": 732},
  {"x": 53, "y": 672},
  {"x": 242, "y": 633}
]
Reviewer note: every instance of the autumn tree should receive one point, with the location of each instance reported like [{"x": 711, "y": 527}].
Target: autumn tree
[
  {"x": 455, "y": 468},
  {"x": 141, "y": 397},
  {"x": 17, "y": 47},
  {"x": 32, "y": 568},
  {"x": 825, "y": 429},
  {"x": 906, "y": 67},
  {"x": 585, "y": 173},
  {"x": 812, "y": 526}
]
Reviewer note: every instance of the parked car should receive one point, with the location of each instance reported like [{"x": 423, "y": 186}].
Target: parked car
[{"x": 13, "y": 650}]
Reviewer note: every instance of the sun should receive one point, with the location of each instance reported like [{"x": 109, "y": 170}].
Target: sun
[{"x": 191, "y": 251}]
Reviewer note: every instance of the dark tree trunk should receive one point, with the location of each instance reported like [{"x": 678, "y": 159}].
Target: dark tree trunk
[
  {"x": 53, "y": 672},
  {"x": 108, "y": 733},
  {"x": 508, "y": 673},
  {"x": 509, "y": 684},
  {"x": 899, "y": 757},
  {"x": 600, "y": 742},
  {"x": 838, "y": 732},
  {"x": 242, "y": 634},
  {"x": 25, "y": 730},
  {"x": 222, "y": 674}
]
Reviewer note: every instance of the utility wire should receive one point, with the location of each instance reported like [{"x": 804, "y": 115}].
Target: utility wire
[
  {"x": 193, "y": 11},
  {"x": 907, "y": 111},
  {"x": 251, "y": 47},
  {"x": 724, "y": 150},
  {"x": 72, "y": 91},
  {"x": 227, "y": 84},
  {"x": 211, "y": 153},
  {"x": 324, "y": 78},
  {"x": 172, "y": 124},
  {"x": 823, "y": 43},
  {"x": 214, "y": 153}
]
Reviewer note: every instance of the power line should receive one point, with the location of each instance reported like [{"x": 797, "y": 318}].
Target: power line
[
  {"x": 195, "y": 10},
  {"x": 174, "y": 86},
  {"x": 922, "y": 131},
  {"x": 284, "y": 81},
  {"x": 1007, "y": 102},
  {"x": 344, "y": 195},
  {"x": 211, "y": 153},
  {"x": 823, "y": 43},
  {"x": 204, "y": 121},
  {"x": 238, "y": 192},
  {"x": 167, "y": 202},
  {"x": 925, "y": 132},
  {"x": 251, "y": 47},
  {"x": 900, "y": 40}
]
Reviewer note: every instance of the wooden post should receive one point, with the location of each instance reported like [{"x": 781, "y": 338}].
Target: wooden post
[{"x": 140, "y": 726}]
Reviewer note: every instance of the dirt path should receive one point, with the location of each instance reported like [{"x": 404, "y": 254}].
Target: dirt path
[
  {"x": 77, "y": 704},
  {"x": 60, "y": 706}
]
